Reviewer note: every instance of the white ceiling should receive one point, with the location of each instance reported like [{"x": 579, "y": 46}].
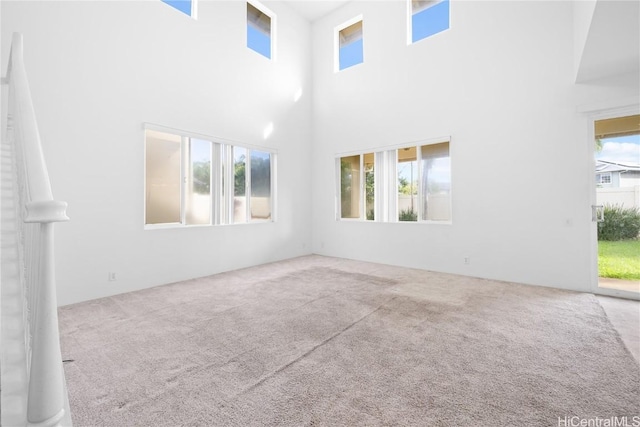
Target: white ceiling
[{"x": 314, "y": 9}]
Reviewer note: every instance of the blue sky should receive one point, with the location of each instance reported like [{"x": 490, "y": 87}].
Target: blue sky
[
  {"x": 624, "y": 149},
  {"x": 258, "y": 41}
]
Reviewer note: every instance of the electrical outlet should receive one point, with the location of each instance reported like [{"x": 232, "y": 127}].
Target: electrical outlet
[
  {"x": 467, "y": 260},
  {"x": 112, "y": 276}
]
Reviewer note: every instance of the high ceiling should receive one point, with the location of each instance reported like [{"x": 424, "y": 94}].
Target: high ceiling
[{"x": 314, "y": 9}]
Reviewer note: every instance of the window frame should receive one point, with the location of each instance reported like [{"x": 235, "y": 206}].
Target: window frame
[
  {"x": 362, "y": 187},
  {"x": 273, "y": 30},
  {"x": 386, "y": 183},
  {"x": 410, "y": 21},
  {"x": 601, "y": 175},
  {"x": 336, "y": 42},
  {"x": 221, "y": 176}
]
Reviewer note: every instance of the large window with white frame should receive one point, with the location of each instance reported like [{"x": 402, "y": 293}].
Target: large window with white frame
[
  {"x": 196, "y": 180},
  {"x": 405, "y": 184}
]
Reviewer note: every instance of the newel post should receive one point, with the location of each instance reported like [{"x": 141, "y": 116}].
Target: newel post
[{"x": 45, "y": 405}]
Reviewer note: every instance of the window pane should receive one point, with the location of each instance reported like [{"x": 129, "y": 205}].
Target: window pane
[
  {"x": 260, "y": 185},
  {"x": 183, "y": 6},
  {"x": 258, "y": 31},
  {"x": 436, "y": 182},
  {"x": 239, "y": 185},
  {"x": 428, "y": 18},
  {"x": 350, "y": 46},
  {"x": 350, "y": 187},
  {"x": 162, "y": 180},
  {"x": 407, "y": 184},
  {"x": 198, "y": 191},
  {"x": 369, "y": 179}
]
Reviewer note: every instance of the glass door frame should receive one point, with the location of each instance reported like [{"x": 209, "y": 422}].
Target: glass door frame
[{"x": 593, "y": 117}]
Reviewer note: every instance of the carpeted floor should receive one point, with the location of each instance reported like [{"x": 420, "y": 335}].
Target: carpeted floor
[{"x": 323, "y": 341}]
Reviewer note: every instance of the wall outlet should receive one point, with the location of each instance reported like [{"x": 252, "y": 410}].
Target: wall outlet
[
  {"x": 467, "y": 260},
  {"x": 112, "y": 276}
]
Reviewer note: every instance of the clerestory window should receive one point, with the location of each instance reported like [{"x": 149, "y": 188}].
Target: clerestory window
[
  {"x": 349, "y": 44},
  {"x": 188, "y": 7},
  {"x": 260, "y": 25},
  {"x": 426, "y": 18}
]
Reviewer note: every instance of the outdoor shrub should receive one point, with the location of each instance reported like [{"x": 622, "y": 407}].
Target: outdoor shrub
[
  {"x": 408, "y": 215},
  {"x": 620, "y": 223}
]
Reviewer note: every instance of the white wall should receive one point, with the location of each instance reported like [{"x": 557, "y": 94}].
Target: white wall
[
  {"x": 500, "y": 82},
  {"x": 582, "y": 16},
  {"x": 98, "y": 70}
]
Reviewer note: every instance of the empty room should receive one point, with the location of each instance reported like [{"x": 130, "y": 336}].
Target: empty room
[{"x": 306, "y": 213}]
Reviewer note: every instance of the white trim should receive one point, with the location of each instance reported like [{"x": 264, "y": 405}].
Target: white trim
[
  {"x": 595, "y": 115},
  {"x": 336, "y": 40},
  {"x": 610, "y": 107},
  {"x": 194, "y": 9},
  {"x": 409, "y": 23},
  {"x": 378, "y": 149},
  {"x": 273, "y": 187},
  {"x": 247, "y": 186},
  {"x": 338, "y": 190},
  {"x": 196, "y": 135}
]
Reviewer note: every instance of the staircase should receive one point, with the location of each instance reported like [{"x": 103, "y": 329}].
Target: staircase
[{"x": 32, "y": 386}]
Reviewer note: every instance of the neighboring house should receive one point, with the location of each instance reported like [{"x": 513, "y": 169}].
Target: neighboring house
[
  {"x": 614, "y": 175},
  {"x": 618, "y": 184}
]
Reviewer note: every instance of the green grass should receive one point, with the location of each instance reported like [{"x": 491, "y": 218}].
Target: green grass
[{"x": 619, "y": 260}]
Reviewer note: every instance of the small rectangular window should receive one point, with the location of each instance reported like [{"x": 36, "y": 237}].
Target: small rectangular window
[
  {"x": 357, "y": 187},
  {"x": 427, "y": 17},
  {"x": 239, "y": 184},
  {"x": 198, "y": 191},
  {"x": 603, "y": 178},
  {"x": 436, "y": 182},
  {"x": 407, "y": 184},
  {"x": 185, "y": 6},
  {"x": 350, "y": 187},
  {"x": 369, "y": 184},
  {"x": 350, "y": 46},
  {"x": 259, "y": 36},
  {"x": 163, "y": 154},
  {"x": 260, "y": 185}
]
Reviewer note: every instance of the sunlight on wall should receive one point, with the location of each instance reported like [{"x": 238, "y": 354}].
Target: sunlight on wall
[{"x": 268, "y": 130}]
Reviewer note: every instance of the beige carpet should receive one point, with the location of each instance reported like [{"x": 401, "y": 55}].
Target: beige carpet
[{"x": 322, "y": 341}]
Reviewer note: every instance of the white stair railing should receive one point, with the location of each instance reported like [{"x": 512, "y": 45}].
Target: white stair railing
[{"x": 33, "y": 386}]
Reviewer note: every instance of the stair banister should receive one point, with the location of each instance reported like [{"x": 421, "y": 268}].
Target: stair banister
[{"x": 47, "y": 394}]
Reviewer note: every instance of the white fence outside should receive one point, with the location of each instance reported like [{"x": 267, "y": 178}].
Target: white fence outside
[{"x": 628, "y": 197}]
